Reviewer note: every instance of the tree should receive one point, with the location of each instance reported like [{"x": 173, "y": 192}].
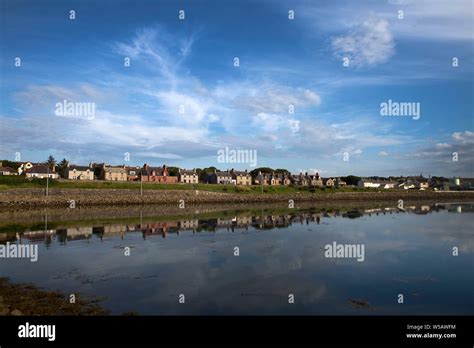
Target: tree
[
  {"x": 173, "y": 171},
  {"x": 51, "y": 162},
  {"x": 203, "y": 173},
  {"x": 255, "y": 172},
  {"x": 282, "y": 171},
  {"x": 11, "y": 164},
  {"x": 62, "y": 167},
  {"x": 351, "y": 180}
]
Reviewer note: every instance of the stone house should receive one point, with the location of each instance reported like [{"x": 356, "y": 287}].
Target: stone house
[
  {"x": 218, "y": 177},
  {"x": 112, "y": 173},
  {"x": 241, "y": 177},
  {"x": 287, "y": 180},
  {"x": 157, "y": 174},
  {"x": 302, "y": 179},
  {"x": 276, "y": 179},
  {"x": 262, "y": 179},
  {"x": 329, "y": 182},
  {"x": 315, "y": 180},
  {"x": 188, "y": 176},
  {"x": 73, "y": 172}
]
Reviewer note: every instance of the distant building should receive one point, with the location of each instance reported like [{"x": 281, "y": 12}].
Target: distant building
[
  {"x": 422, "y": 183},
  {"x": 73, "y": 172},
  {"x": 218, "y": 177},
  {"x": 340, "y": 182},
  {"x": 157, "y": 174},
  {"x": 277, "y": 179},
  {"x": 452, "y": 185},
  {"x": 113, "y": 173},
  {"x": 329, "y": 182},
  {"x": 133, "y": 173},
  {"x": 41, "y": 172},
  {"x": 417, "y": 182},
  {"x": 188, "y": 176},
  {"x": 7, "y": 171},
  {"x": 301, "y": 179},
  {"x": 241, "y": 177},
  {"x": 316, "y": 180},
  {"x": 262, "y": 179},
  {"x": 23, "y": 167},
  {"x": 385, "y": 184}
]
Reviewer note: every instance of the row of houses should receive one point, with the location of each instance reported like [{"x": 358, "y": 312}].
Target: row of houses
[
  {"x": 161, "y": 174},
  {"x": 419, "y": 183},
  {"x": 409, "y": 183}
]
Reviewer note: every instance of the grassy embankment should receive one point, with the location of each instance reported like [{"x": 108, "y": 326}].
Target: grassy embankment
[{"x": 12, "y": 182}]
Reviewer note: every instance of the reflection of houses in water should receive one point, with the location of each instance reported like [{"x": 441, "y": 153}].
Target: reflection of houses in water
[
  {"x": 7, "y": 237},
  {"x": 243, "y": 221},
  {"x": 159, "y": 228},
  {"x": 224, "y": 223},
  {"x": 38, "y": 236},
  {"x": 114, "y": 230},
  {"x": 271, "y": 221},
  {"x": 74, "y": 233},
  {"x": 208, "y": 225},
  {"x": 458, "y": 208},
  {"x": 423, "y": 209},
  {"x": 188, "y": 224}
]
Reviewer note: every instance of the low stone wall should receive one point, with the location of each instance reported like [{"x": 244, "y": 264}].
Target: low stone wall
[{"x": 16, "y": 198}]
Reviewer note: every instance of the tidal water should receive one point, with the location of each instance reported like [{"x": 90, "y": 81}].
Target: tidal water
[{"x": 260, "y": 262}]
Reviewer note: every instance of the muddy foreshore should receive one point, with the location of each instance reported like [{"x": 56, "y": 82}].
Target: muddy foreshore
[{"x": 62, "y": 198}]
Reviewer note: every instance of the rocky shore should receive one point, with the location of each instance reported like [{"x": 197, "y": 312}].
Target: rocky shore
[
  {"x": 62, "y": 198},
  {"x": 27, "y": 299}
]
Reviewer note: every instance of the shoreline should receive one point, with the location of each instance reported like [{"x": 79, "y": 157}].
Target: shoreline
[
  {"x": 18, "y": 299},
  {"x": 62, "y": 198}
]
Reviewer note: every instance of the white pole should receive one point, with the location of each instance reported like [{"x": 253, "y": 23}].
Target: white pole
[{"x": 47, "y": 182}]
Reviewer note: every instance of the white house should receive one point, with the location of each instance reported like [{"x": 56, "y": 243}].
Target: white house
[
  {"x": 41, "y": 172},
  {"x": 376, "y": 184}
]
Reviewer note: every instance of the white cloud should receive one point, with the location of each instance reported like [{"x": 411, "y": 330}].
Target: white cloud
[
  {"x": 464, "y": 138},
  {"x": 369, "y": 43},
  {"x": 383, "y": 154},
  {"x": 158, "y": 155},
  {"x": 442, "y": 146},
  {"x": 271, "y": 123},
  {"x": 434, "y": 19}
]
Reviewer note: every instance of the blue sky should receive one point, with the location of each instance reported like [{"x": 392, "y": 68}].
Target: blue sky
[{"x": 189, "y": 64}]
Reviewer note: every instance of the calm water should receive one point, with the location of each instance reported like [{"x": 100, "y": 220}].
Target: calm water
[{"x": 407, "y": 253}]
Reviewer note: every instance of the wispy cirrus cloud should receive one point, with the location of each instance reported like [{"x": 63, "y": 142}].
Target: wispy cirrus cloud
[{"x": 369, "y": 43}]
